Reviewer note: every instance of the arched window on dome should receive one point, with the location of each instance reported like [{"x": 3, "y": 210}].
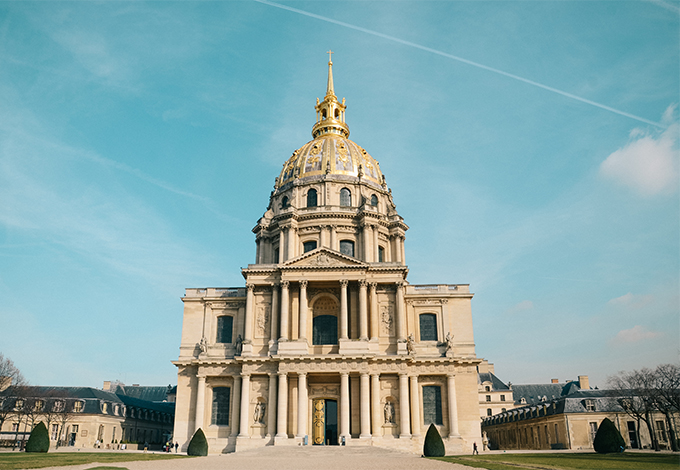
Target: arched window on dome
[
  {"x": 374, "y": 200},
  {"x": 381, "y": 254},
  {"x": 323, "y": 114},
  {"x": 337, "y": 113},
  {"x": 345, "y": 197},
  {"x": 284, "y": 202},
  {"x": 311, "y": 198},
  {"x": 347, "y": 247}
]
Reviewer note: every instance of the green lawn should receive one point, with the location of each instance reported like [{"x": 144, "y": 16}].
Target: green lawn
[
  {"x": 12, "y": 460},
  {"x": 564, "y": 461}
]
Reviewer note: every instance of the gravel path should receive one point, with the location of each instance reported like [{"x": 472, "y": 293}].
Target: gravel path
[{"x": 292, "y": 458}]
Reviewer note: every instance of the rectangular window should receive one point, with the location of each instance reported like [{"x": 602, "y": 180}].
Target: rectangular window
[
  {"x": 557, "y": 436},
  {"x": 428, "y": 327},
  {"x": 593, "y": 431},
  {"x": 309, "y": 246},
  {"x": 55, "y": 432},
  {"x": 15, "y": 427},
  {"x": 432, "y": 405},
  {"x": 347, "y": 247},
  {"x": 489, "y": 412},
  {"x": 381, "y": 254},
  {"x": 661, "y": 429},
  {"x": 220, "y": 406},
  {"x": 547, "y": 437},
  {"x": 502, "y": 397},
  {"x": 488, "y": 398},
  {"x": 225, "y": 326}
]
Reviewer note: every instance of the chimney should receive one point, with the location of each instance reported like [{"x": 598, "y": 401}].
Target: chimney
[
  {"x": 107, "y": 385},
  {"x": 583, "y": 382},
  {"x": 554, "y": 381},
  {"x": 135, "y": 385}
]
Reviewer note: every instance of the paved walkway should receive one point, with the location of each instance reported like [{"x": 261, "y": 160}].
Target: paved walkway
[{"x": 292, "y": 458}]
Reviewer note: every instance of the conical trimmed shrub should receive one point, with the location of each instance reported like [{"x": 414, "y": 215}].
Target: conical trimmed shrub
[
  {"x": 434, "y": 446},
  {"x": 198, "y": 445},
  {"x": 39, "y": 440},
  {"x": 608, "y": 439}
]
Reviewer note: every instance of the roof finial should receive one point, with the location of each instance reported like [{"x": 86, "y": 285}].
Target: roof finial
[{"x": 329, "y": 89}]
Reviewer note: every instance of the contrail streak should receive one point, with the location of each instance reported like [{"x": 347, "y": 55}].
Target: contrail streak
[{"x": 460, "y": 59}]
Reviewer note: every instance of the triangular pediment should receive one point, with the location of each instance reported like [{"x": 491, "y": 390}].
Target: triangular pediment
[{"x": 323, "y": 258}]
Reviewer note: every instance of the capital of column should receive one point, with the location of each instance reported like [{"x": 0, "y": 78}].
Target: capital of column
[
  {"x": 343, "y": 282},
  {"x": 400, "y": 284},
  {"x": 302, "y": 374},
  {"x": 282, "y": 374},
  {"x": 245, "y": 374},
  {"x": 274, "y": 285},
  {"x": 344, "y": 374},
  {"x": 363, "y": 283},
  {"x": 451, "y": 376},
  {"x": 285, "y": 284},
  {"x": 250, "y": 286},
  {"x": 373, "y": 285},
  {"x": 303, "y": 283}
]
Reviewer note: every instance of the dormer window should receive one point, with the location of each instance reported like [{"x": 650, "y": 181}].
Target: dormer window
[{"x": 590, "y": 405}]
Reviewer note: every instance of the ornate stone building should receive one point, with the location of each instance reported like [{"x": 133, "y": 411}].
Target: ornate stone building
[{"x": 328, "y": 343}]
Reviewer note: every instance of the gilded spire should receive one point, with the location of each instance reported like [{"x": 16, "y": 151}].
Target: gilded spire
[
  {"x": 329, "y": 88},
  {"x": 330, "y": 113}
]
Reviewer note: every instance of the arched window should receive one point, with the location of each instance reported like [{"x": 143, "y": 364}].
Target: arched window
[
  {"x": 220, "y": 406},
  {"x": 432, "y": 404},
  {"x": 345, "y": 197},
  {"x": 488, "y": 412},
  {"x": 225, "y": 325},
  {"x": 309, "y": 246},
  {"x": 487, "y": 388},
  {"x": 374, "y": 200},
  {"x": 381, "y": 254},
  {"x": 311, "y": 198},
  {"x": 428, "y": 327},
  {"x": 284, "y": 202},
  {"x": 325, "y": 329},
  {"x": 347, "y": 247}
]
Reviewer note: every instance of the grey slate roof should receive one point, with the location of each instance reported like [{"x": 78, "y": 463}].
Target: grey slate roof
[
  {"x": 155, "y": 394},
  {"x": 496, "y": 383},
  {"x": 538, "y": 393}
]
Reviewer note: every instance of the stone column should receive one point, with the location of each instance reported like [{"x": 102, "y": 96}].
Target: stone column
[
  {"x": 271, "y": 405},
  {"x": 415, "y": 407},
  {"x": 376, "y": 258},
  {"x": 248, "y": 327},
  {"x": 334, "y": 243},
  {"x": 282, "y": 245},
  {"x": 258, "y": 250},
  {"x": 200, "y": 403},
  {"x": 275, "y": 312},
  {"x": 364, "y": 241},
  {"x": 284, "y": 311},
  {"x": 245, "y": 406},
  {"x": 363, "y": 310},
  {"x": 303, "y": 310},
  {"x": 404, "y": 428},
  {"x": 397, "y": 249},
  {"x": 365, "y": 406},
  {"x": 236, "y": 413},
  {"x": 375, "y": 405},
  {"x": 344, "y": 405},
  {"x": 343, "y": 308},
  {"x": 322, "y": 236},
  {"x": 375, "y": 317},
  {"x": 401, "y": 316},
  {"x": 292, "y": 242},
  {"x": 302, "y": 405},
  {"x": 453, "y": 406},
  {"x": 403, "y": 251},
  {"x": 282, "y": 408}
]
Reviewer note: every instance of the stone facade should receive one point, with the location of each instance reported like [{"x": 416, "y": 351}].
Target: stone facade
[{"x": 328, "y": 343}]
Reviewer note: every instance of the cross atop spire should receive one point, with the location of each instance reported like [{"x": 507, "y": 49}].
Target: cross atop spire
[
  {"x": 330, "y": 113},
  {"x": 330, "y": 57}
]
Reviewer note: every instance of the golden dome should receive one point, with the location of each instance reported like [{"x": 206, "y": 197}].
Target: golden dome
[{"x": 331, "y": 152}]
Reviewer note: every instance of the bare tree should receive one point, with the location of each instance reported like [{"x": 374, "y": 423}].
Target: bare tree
[
  {"x": 9, "y": 374},
  {"x": 667, "y": 396},
  {"x": 56, "y": 411}
]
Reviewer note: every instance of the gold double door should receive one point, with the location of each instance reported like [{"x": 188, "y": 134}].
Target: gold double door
[{"x": 325, "y": 422}]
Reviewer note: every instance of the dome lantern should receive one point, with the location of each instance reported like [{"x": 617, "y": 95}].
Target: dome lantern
[{"x": 330, "y": 113}]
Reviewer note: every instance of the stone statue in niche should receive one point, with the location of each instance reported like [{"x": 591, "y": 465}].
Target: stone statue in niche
[
  {"x": 389, "y": 412},
  {"x": 449, "y": 344},
  {"x": 258, "y": 414},
  {"x": 411, "y": 344},
  {"x": 203, "y": 345},
  {"x": 239, "y": 345}
]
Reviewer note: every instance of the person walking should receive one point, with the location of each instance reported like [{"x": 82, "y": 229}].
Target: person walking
[{"x": 474, "y": 449}]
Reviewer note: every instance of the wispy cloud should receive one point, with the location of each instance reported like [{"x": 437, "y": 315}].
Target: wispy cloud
[
  {"x": 648, "y": 164},
  {"x": 635, "y": 335},
  {"x": 632, "y": 301},
  {"x": 523, "y": 306}
]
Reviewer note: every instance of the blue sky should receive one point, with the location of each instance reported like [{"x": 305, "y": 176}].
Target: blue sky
[{"x": 532, "y": 147}]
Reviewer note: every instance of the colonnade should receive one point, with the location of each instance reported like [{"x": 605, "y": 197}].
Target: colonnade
[
  {"x": 371, "y": 408},
  {"x": 289, "y": 244},
  {"x": 367, "y": 310}
]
